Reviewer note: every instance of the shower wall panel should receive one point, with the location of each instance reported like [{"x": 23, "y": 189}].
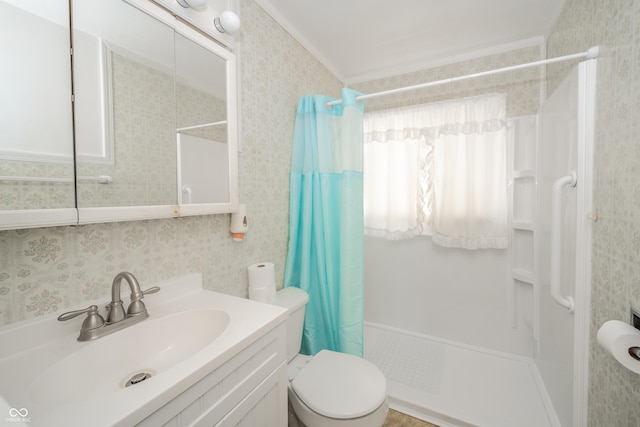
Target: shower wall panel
[
  {"x": 565, "y": 147},
  {"x": 452, "y": 294}
]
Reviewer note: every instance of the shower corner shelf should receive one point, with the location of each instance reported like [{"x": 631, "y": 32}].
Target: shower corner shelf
[
  {"x": 525, "y": 173},
  {"x": 523, "y": 276},
  {"x": 522, "y": 225}
]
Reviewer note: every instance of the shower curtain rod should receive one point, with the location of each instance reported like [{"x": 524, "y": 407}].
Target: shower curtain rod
[{"x": 589, "y": 54}]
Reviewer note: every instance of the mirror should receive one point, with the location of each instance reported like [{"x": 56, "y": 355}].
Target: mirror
[
  {"x": 155, "y": 114},
  {"x": 124, "y": 83},
  {"x": 36, "y": 134},
  {"x": 202, "y": 149}
]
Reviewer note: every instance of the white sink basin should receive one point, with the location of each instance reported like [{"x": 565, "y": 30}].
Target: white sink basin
[
  {"x": 190, "y": 332},
  {"x": 106, "y": 365}
]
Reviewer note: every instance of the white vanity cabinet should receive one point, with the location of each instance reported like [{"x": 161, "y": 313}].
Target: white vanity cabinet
[
  {"x": 212, "y": 359},
  {"x": 250, "y": 389}
]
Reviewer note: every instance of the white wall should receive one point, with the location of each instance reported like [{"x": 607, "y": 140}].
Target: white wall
[
  {"x": 453, "y": 294},
  {"x": 565, "y": 144}
]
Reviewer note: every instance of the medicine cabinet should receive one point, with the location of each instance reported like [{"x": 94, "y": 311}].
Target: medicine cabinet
[{"x": 152, "y": 128}]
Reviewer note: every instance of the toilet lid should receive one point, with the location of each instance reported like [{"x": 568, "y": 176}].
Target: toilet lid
[{"x": 339, "y": 385}]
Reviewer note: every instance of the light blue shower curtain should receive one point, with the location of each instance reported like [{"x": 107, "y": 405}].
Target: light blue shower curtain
[{"x": 325, "y": 256}]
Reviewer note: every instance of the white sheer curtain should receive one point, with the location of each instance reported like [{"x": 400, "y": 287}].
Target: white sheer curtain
[{"x": 438, "y": 169}]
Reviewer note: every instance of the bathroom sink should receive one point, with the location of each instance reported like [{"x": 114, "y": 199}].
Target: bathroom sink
[
  {"x": 109, "y": 363},
  {"x": 47, "y": 373}
]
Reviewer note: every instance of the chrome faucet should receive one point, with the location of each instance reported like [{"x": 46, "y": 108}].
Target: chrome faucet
[
  {"x": 94, "y": 325},
  {"x": 115, "y": 310}
]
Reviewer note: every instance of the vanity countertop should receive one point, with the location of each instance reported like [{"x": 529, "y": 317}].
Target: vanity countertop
[{"x": 48, "y": 378}]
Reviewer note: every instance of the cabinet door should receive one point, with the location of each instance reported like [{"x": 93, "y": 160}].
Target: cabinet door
[
  {"x": 265, "y": 406},
  {"x": 36, "y": 132},
  {"x": 251, "y": 384}
]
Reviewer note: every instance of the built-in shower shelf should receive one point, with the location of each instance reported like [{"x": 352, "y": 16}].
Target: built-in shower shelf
[
  {"x": 522, "y": 225},
  {"x": 527, "y": 173},
  {"x": 523, "y": 291},
  {"x": 523, "y": 276}
]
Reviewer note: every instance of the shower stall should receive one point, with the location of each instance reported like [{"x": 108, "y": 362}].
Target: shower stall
[{"x": 499, "y": 337}]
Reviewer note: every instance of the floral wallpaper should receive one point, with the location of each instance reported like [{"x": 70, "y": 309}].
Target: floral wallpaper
[
  {"x": 49, "y": 269},
  {"x": 35, "y": 194},
  {"x": 614, "y": 25},
  {"x": 144, "y": 116},
  {"x": 137, "y": 181}
]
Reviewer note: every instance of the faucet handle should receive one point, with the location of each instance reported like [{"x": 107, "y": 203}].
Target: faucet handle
[
  {"x": 151, "y": 290},
  {"x": 92, "y": 321},
  {"x": 138, "y": 294},
  {"x": 137, "y": 306}
]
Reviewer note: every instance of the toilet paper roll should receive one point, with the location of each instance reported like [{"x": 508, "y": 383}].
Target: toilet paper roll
[
  {"x": 623, "y": 342},
  {"x": 262, "y": 275},
  {"x": 265, "y": 294}
]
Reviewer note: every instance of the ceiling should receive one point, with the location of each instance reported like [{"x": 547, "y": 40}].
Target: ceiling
[{"x": 361, "y": 40}]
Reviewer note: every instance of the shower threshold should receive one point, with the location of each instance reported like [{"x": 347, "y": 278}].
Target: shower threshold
[{"x": 454, "y": 385}]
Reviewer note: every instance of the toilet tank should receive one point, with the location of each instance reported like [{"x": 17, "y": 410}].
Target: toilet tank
[{"x": 294, "y": 300}]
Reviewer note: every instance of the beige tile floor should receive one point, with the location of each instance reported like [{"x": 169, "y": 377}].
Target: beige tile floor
[{"x": 398, "y": 419}]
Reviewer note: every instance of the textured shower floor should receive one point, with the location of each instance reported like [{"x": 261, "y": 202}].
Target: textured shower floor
[{"x": 454, "y": 385}]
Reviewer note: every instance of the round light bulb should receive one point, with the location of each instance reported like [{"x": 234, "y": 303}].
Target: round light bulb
[{"x": 228, "y": 22}]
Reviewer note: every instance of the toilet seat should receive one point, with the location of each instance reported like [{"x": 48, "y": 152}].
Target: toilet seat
[{"x": 340, "y": 386}]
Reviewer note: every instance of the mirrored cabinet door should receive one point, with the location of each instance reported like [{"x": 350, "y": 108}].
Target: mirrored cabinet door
[
  {"x": 149, "y": 102},
  {"x": 202, "y": 143},
  {"x": 207, "y": 129},
  {"x": 36, "y": 134},
  {"x": 153, "y": 134},
  {"x": 124, "y": 77}
]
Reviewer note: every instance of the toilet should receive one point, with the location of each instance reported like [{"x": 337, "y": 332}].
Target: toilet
[{"x": 329, "y": 389}]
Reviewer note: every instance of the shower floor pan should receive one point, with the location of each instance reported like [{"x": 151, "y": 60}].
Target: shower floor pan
[{"x": 455, "y": 385}]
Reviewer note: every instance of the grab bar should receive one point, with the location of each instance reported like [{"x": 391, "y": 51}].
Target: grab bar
[{"x": 556, "y": 240}]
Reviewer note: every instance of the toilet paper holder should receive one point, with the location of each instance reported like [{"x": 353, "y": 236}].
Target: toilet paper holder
[
  {"x": 622, "y": 340},
  {"x": 635, "y": 318},
  {"x": 635, "y": 322}
]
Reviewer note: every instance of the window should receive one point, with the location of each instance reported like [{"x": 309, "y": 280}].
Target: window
[{"x": 438, "y": 169}]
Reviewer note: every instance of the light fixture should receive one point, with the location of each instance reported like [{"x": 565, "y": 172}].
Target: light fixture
[
  {"x": 194, "y": 4},
  {"x": 228, "y": 22}
]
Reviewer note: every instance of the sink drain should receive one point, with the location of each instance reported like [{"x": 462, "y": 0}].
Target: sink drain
[{"x": 137, "y": 378}]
